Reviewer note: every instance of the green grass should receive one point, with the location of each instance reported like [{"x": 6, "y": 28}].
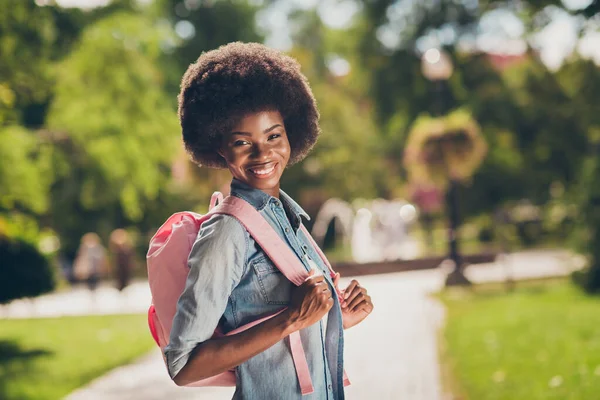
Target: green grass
[
  {"x": 541, "y": 341},
  {"x": 49, "y": 358}
]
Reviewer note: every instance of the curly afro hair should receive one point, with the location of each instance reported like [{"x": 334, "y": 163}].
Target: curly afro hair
[{"x": 228, "y": 83}]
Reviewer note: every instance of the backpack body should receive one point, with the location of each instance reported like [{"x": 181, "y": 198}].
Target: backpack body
[{"x": 167, "y": 272}]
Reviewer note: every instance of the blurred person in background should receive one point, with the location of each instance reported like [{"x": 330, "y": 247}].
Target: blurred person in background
[
  {"x": 91, "y": 262},
  {"x": 122, "y": 256}
]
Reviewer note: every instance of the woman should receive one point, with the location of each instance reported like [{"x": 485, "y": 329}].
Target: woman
[
  {"x": 91, "y": 263},
  {"x": 123, "y": 257},
  {"x": 248, "y": 108}
]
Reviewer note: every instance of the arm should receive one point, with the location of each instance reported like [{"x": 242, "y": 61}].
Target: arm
[
  {"x": 215, "y": 356},
  {"x": 310, "y": 302},
  {"x": 217, "y": 263}
]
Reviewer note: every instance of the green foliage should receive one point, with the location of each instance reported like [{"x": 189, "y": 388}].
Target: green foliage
[
  {"x": 27, "y": 33},
  {"x": 589, "y": 222},
  {"x": 527, "y": 105},
  {"x": 48, "y": 358},
  {"x": 26, "y": 170},
  {"x": 24, "y": 272},
  {"x": 124, "y": 133},
  {"x": 440, "y": 149},
  {"x": 504, "y": 346},
  {"x": 346, "y": 162},
  {"x": 214, "y": 23},
  {"x": 88, "y": 130}
]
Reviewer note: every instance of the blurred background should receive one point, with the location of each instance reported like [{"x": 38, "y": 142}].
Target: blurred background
[{"x": 458, "y": 167}]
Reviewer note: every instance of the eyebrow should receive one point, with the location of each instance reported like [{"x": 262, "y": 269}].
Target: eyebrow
[{"x": 249, "y": 134}]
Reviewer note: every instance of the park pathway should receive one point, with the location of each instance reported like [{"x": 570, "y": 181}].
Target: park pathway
[
  {"x": 393, "y": 352},
  {"x": 392, "y": 355}
]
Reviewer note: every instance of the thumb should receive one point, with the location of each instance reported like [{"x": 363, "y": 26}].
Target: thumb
[
  {"x": 310, "y": 274},
  {"x": 336, "y": 280}
]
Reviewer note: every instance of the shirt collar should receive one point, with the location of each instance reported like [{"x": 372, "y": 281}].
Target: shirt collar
[{"x": 259, "y": 199}]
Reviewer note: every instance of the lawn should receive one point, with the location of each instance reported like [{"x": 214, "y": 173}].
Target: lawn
[
  {"x": 540, "y": 342},
  {"x": 49, "y": 358}
]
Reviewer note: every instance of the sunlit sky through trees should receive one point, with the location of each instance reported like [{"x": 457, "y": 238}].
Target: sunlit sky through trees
[{"x": 500, "y": 31}]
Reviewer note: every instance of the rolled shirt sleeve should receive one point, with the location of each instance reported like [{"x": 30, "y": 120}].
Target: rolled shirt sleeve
[{"x": 217, "y": 262}]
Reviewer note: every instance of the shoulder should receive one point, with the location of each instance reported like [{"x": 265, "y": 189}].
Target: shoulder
[
  {"x": 222, "y": 230},
  {"x": 221, "y": 240}
]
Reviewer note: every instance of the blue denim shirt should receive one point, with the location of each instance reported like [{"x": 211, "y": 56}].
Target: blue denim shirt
[{"x": 232, "y": 282}]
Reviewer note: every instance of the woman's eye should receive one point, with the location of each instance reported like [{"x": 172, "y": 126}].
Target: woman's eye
[
  {"x": 275, "y": 136},
  {"x": 239, "y": 143}
]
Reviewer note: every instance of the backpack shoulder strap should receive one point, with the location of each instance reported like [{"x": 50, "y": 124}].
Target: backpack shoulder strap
[
  {"x": 266, "y": 237},
  {"x": 318, "y": 249},
  {"x": 215, "y": 200}
]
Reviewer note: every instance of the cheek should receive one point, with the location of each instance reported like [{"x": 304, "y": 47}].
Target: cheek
[
  {"x": 285, "y": 149},
  {"x": 234, "y": 158}
]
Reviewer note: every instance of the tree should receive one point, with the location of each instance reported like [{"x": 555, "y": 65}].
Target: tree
[
  {"x": 201, "y": 26},
  {"x": 25, "y": 172},
  {"x": 589, "y": 218},
  {"x": 347, "y": 160},
  {"x": 444, "y": 151},
  {"x": 115, "y": 129}
]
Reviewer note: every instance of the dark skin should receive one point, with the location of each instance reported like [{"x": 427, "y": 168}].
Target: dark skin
[{"x": 257, "y": 151}]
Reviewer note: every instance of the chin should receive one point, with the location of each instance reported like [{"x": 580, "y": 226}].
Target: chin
[{"x": 263, "y": 184}]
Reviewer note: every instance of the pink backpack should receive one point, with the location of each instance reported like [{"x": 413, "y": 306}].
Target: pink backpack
[{"x": 167, "y": 262}]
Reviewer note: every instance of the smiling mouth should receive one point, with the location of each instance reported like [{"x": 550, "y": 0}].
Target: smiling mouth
[{"x": 262, "y": 171}]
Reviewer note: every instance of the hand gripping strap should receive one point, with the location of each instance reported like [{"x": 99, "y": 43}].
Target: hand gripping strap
[{"x": 284, "y": 259}]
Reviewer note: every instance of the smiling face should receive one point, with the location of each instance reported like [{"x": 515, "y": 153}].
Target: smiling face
[{"x": 257, "y": 150}]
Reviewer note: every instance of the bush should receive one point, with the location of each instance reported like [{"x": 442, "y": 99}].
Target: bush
[
  {"x": 589, "y": 218},
  {"x": 24, "y": 271},
  {"x": 588, "y": 278}
]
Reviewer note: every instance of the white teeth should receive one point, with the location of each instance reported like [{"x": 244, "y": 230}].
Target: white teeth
[{"x": 263, "y": 171}]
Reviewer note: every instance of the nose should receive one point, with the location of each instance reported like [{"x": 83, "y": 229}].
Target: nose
[{"x": 261, "y": 151}]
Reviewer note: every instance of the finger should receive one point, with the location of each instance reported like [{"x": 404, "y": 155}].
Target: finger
[
  {"x": 336, "y": 279},
  {"x": 369, "y": 306},
  {"x": 365, "y": 301},
  {"x": 310, "y": 274},
  {"x": 350, "y": 288},
  {"x": 329, "y": 304},
  {"x": 366, "y": 308},
  {"x": 314, "y": 279},
  {"x": 356, "y": 301},
  {"x": 352, "y": 295},
  {"x": 321, "y": 287}
]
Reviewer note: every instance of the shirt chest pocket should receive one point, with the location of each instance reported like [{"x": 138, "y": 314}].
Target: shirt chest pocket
[{"x": 274, "y": 287}]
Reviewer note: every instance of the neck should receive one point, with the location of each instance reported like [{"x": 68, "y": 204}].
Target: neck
[{"x": 272, "y": 192}]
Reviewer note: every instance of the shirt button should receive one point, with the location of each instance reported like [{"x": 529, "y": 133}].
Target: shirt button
[
  {"x": 329, "y": 387},
  {"x": 287, "y": 230},
  {"x": 276, "y": 203},
  {"x": 305, "y": 247}
]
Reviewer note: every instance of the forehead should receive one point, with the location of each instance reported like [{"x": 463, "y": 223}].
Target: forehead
[{"x": 258, "y": 121}]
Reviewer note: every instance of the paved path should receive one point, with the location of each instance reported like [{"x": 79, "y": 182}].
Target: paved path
[
  {"x": 392, "y": 355},
  {"x": 80, "y": 301},
  {"x": 393, "y": 351}
]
